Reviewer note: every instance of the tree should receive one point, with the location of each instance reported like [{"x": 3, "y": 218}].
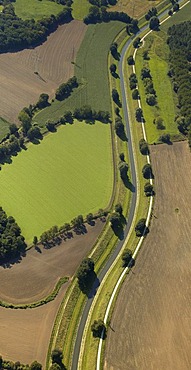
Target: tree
[
  {"x": 151, "y": 99},
  {"x": 34, "y": 133},
  {"x": 43, "y": 101},
  {"x": 115, "y": 96},
  {"x": 123, "y": 169},
  {"x": 119, "y": 127},
  {"x": 113, "y": 68},
  {"x": 140, "y": 228},
  {"x": 126, "y": 257},
  {"x": 147, "y": 171},
  {"x": 130, "y": 60},
  {"x": 98, "y": 327},
  {"x": 13, "y": 129},
  {"x": 148, "y": 189},
  {"x": 119, "y": 209},
  {"x": 25, "y": 121},
  {"x": 89, "y": 218},
  {"x": 35, "y": 366},
  {"x": 135, "y": 94},
  {"x": 143, "y": 146},
  {"x": 176, "y": 7},
  {"x": 50, "y": 126},
  {"x": 154, "y": 23},
  {"x": 165, "y": 138},
  {"x": 84, "y": 272},
  {"x": 145, "y": 73},
  {"x": 122, "y": 157},
  {"x": 115, "y": 220},
  {"x": 78, "y": 221},
  {"x": 139, "y": 114},
  {"x": 159, "y": 123},
  {"x": 35, "y": 241},
  {"x": 57, "y": 356},
  {"x": 137, "y": 42}
]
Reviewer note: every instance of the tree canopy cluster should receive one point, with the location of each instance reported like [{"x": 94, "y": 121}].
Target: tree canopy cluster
[
  {"x": 12, "y": 243},
  {"x": 85, "y": 273},
  {"x": 10, "y": 365},
  {"x": 101, "y": 3},
  {"x": 151, "y": 97},
  {"x": 99, "y": 14},
  {"x": 179, "y": 41},
  {"x": 66, "y": 88},
  {"x": 17, "y": 34}
]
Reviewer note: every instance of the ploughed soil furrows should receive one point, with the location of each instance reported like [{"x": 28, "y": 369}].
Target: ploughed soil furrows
[
  {"x": 28, "y": 73},
  {"x": 150, "y": 326},
  {"x": 25, "y": 333}
]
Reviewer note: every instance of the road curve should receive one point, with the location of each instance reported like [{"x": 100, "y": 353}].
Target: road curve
[{"x": 120, "y": 243}]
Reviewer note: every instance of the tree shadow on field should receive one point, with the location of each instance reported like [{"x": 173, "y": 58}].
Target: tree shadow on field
[{"x": 8, "y": 263}]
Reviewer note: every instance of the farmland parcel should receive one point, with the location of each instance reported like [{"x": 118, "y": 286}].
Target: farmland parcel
[{"x": 69, "y": 173}]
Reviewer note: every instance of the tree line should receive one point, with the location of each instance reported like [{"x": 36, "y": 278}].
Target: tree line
[
  {"x": 12, "y": 243},
  {"x": 17, "y": 34},
  {"x": 99, "y": 14},
  {"x": 179, "y": 41}
]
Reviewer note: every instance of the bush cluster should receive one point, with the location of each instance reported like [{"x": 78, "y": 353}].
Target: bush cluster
[{"x": 100, "y": 14}]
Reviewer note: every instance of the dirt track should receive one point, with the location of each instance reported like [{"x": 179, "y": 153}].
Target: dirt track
[
  {"x": 20, "y": 86},
  {"x": 151, "y": 319}
]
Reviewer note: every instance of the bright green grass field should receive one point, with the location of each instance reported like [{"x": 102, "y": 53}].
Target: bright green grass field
[
  {"x": 80, "y": 8},
  {"x": 158, "y": 53},
  {"x": 91, "y": 69},
  {"x": 36, "y": 9},
  {"x": 68, "y": 174}
]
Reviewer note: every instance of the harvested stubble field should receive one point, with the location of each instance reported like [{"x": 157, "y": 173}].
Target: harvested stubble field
[
  {"x": 20, "y": 86},
  {"x": 154, "y": 331},
  {"x": 25, "y": 334},
  {"x": 134, "y": 8}
]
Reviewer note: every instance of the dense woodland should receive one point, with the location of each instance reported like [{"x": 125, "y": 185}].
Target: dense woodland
[
  {"x": 179, "y": 41},
  {"x": 17, "y": 34},
  {"x": 12, "y": 243}
]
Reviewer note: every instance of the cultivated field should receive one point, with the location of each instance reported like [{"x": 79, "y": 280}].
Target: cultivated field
[
  {"x": 20, "y": 86},
  {"x": 25, "y": 334},
  {"x": 39, "y": 272},
  {"x": 150, "y": 322},
  {"x": 68, "y": 174},
  {"x": 36, "y": 9},
  {"x": 134, "y": 8},
  {"x": 94, "y": 87}
]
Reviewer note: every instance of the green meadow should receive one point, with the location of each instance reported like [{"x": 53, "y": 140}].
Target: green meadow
[
  {"x": 36, "y": 9},
  {"x": 91, "y": 70},
  {"x": 155, "y": 43},
  {"x": 80, "y": 8},
  {"x": 69, "y": 173}
]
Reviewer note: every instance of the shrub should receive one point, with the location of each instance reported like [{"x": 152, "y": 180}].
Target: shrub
[
  {"x": 97, "y": 328},
  {"x": 135, "y": 94},
  {"x": 143, "y": 146},
  {"x": 147, "y": 171},
  {"x": 126, "y": 257},
  {"x": 140, "y": 228},
  {"x": 151, "y": 99},
  {"x": 130, "y": 60},
  {"x": 148, "y": 189}
]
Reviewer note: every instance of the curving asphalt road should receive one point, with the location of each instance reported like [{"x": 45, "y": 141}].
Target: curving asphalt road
[{"x": 119, "y": 245}]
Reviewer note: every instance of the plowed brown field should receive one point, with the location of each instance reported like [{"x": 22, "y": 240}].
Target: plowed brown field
[
  {"x": 25, "y": 334},
  {"x": 20, "y": 86},
  {"x": 151, "y": 319}
]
